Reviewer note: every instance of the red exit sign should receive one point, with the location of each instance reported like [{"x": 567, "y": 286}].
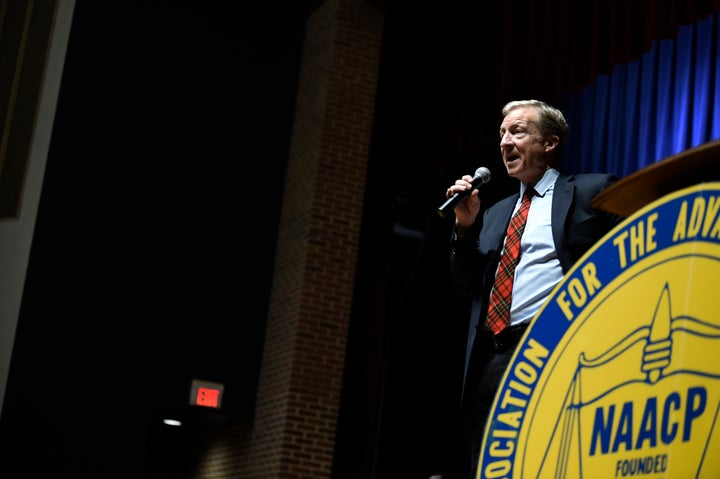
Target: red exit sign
[{"x": 206, "y": 394}]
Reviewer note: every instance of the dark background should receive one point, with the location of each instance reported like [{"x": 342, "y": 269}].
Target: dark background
[{"x": 153, "y": 251}]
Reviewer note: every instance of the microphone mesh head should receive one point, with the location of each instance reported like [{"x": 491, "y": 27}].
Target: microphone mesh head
[{"x": 483, "y": 173}]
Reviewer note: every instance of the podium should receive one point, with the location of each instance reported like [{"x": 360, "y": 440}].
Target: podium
[{"x": 690, "y": 167}]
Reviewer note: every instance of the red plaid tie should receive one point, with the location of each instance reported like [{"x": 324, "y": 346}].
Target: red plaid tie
[{"x": 501, "y": 296}]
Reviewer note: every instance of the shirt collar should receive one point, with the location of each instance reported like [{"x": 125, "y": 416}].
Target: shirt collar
[{"x": 544, "y": 184}]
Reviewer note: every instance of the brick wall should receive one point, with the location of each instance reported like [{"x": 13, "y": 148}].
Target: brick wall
[{"x": 300, "y": 382}]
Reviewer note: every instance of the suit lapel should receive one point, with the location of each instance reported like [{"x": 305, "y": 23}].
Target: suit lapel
[
  {"x": 562, "y": 199},
  {"x": 507, "y": 214}
]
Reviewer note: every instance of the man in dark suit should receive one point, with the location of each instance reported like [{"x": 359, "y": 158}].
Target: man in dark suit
[{"x": 561, "y": 226}]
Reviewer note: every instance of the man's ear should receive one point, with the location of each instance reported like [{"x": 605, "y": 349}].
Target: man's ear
[{"x": 551, "y": 142}]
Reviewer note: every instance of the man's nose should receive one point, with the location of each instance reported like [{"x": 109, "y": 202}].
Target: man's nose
[{"x": 505, "y": 139}]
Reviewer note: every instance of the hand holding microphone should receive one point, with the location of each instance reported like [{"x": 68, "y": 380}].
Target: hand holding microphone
[{"x": 482, "y": 175}]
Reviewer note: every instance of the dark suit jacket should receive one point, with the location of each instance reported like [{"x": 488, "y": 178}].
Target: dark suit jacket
[{"x": 576, "y": 227}]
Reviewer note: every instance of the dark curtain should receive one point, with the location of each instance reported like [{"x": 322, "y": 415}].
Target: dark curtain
[
  {"x": 646, "y": 110},
  {"x": 638, "y": 81},
  {"x": 570, "y": 43}
]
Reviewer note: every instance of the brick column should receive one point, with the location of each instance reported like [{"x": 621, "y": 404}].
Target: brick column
[{"x": 298, "y": 400}]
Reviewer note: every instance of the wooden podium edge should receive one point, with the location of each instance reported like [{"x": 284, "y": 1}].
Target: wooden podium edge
[{"x": 696, "y": 165}]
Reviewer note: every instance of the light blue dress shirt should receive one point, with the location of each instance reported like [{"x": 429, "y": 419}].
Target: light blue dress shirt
[{"x": 539, "y": 270}]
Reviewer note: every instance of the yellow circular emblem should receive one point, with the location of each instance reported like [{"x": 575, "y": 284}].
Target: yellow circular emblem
[{"x": 618, "y": 376}]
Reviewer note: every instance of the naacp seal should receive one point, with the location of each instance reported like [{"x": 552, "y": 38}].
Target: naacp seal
[{"x": 618, "y": 375}]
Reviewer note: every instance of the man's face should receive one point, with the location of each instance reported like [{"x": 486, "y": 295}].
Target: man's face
[{"x": 523, "y": 149}]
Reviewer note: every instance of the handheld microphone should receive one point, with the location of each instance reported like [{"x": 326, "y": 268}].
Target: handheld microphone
[{"x": 482, "y": 175}]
